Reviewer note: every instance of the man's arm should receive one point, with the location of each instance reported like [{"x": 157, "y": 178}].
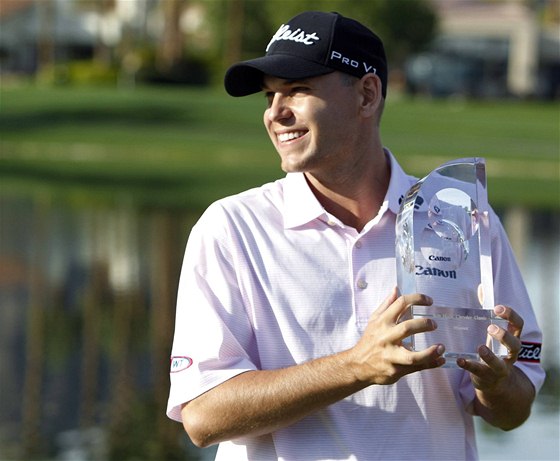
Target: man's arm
[
  {"x": 504, "y": 395},
  {"x": 259, "y": 402}
]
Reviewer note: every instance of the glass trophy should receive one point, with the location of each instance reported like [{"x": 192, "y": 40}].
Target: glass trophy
[{"x": 443, "y": 251}]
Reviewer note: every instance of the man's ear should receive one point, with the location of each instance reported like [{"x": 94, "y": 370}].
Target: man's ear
[{"x": 372, "y": 96}]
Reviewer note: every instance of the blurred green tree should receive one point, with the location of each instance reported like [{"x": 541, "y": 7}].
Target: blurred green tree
[{"x": 170, "y": 48}]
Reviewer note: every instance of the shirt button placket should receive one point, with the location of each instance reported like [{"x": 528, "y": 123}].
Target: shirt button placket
[{"x": 361, "y": 284}]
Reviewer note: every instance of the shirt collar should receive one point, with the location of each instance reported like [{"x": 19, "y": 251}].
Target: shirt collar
[
  {"x": 399, "y": 184},
  {"x": 301, "y": 206}
]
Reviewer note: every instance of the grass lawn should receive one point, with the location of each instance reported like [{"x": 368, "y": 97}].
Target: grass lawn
[{"x": 188, "y": 147}]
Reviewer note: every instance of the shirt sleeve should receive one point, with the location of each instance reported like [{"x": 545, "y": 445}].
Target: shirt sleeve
[
  {"x": 510, "y": 290},
  {"x": 213, "y": 335}
]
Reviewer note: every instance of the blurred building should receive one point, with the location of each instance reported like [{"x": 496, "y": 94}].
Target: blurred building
[
  {"x": 38, "y": 34},
  {"x": 32, "y": 32},
  {"x": 491, "y": 49}
]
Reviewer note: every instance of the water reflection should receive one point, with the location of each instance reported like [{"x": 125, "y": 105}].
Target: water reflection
[{"x": 87, "y": 296}]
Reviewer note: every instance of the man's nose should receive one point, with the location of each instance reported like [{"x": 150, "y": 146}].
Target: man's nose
[{"x": 279, "y": 108}]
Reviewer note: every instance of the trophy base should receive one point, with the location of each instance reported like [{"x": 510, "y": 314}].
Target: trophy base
[{"x": 462, "y": 331}]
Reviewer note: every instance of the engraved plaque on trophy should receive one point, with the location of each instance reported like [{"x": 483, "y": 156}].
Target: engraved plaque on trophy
[{"x": 443, "y": 251}]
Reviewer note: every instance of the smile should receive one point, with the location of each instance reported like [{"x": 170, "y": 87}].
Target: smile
[{"x": 285, "y": 137}]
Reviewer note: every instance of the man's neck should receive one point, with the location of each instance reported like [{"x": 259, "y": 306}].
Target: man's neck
[{"x": 355, "y": 199}]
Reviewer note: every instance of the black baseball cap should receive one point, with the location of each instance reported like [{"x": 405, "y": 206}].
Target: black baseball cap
[{"x": 311, "y": 44}]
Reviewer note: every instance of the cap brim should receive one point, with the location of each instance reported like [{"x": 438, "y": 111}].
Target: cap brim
[{"x": 246, "y": 77}]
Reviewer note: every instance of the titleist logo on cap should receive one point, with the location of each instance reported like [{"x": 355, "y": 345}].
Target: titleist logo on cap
[{"x": 298, "y": 36}]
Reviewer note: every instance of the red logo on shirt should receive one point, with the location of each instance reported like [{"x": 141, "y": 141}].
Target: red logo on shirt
[{"x": 180, "y": 363}]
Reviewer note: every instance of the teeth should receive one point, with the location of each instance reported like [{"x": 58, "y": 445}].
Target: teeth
[{"x": 284, "y": 137}]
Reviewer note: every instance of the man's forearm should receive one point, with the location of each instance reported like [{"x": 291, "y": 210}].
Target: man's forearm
[
  {"x": 259, "y": 402},
  {"x": 509, "y": 406}
]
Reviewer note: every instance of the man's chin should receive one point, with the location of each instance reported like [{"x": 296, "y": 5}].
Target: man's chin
[
  {"x": 293, "y": 166},
  {"x": 292, "y": 170}
]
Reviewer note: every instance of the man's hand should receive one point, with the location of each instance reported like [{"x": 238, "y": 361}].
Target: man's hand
[
  {"x": 380, "y": 355},
  {"x": 491, "y": 374},
  {"x": 503, "y": 393}
]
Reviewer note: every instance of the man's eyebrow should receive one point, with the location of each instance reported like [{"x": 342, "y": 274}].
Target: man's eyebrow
[
  {"x": 292, "y": 81},
  {"x": 288, "y": 82}
]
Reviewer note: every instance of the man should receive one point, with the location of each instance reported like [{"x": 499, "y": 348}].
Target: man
[{"x": 288, "y": 343}]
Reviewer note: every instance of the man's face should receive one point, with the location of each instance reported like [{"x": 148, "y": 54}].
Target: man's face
[{"x": 313, "y": 123}]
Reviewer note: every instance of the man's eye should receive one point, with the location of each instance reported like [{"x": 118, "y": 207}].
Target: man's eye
[{"x": 300, "y": 89}]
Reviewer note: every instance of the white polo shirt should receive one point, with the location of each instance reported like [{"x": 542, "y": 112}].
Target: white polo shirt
[{"x": 271, "y": 280}]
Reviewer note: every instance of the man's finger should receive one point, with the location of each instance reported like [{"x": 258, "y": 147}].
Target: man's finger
[
  {"x": 402, "y": 303},
  {"x": 508, "y": 339},
  {"x": 514, "y": 319},
  {"x": 387, "y": 301}
]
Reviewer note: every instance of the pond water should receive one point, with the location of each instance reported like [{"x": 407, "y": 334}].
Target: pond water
[{"x": 87, "y": 296}]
